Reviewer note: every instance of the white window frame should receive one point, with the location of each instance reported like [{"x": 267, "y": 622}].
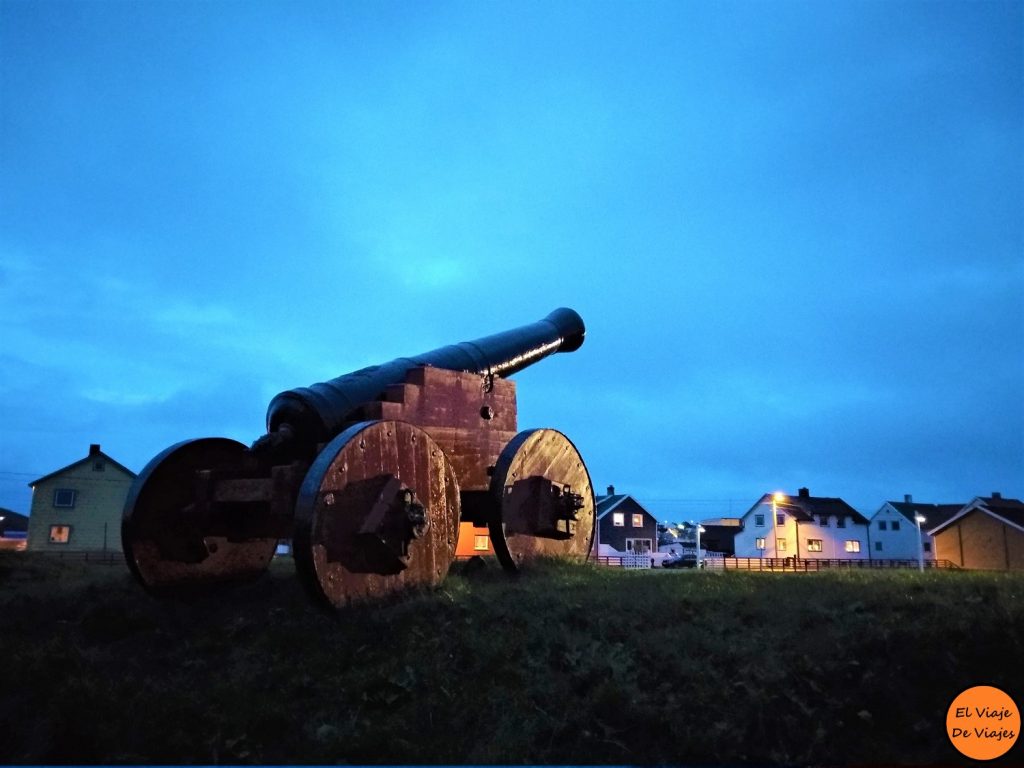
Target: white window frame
[
  {"x": 638, "y": 520},
  {"x": 815, "y": 545},
  {"x": 619, "y": 519},
  {"x": 780, "y": 545},
  {"x": 759, "y": 521},
  {"x": 57, "y": 495},
  {"x": 759, "y": 542},
  {"x": 852, "y": 545}
]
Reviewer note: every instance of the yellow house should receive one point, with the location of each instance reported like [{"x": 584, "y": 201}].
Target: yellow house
[
  {"x": 78, "y": 508},
  {"x": 987, "y": 534}
]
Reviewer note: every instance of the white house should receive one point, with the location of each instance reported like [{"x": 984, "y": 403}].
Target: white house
[
  {"x": 893, "y": 532},
  {"x": 804, "y": 526}
]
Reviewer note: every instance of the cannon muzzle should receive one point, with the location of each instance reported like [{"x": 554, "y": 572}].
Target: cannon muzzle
[{"x": 310, "y": 415}]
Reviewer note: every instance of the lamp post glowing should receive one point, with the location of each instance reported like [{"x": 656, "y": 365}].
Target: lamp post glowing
[
  {"x": 777, "y": 498},
  {"x": 920, "y": 544},
  {"x": 699, "y": 529}
]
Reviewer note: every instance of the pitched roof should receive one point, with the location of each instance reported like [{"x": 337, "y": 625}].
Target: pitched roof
[
  {"x": 934, "y": 514},
  {"x": 12, "y": 521},
  {"x": 606, "y": 504},
  {"x": 92, "y": 455},
  {"x": 804, "y": 508},
  {"x": 1010, "y": 511}
]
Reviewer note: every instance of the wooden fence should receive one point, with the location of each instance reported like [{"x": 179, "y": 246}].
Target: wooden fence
[{"x": 812, "y": 565}]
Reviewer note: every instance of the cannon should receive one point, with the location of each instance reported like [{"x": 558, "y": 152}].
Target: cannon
[{"x": 370, "y": 475}]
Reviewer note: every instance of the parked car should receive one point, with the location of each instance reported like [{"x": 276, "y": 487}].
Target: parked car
[{"x": 685, "y": 560}]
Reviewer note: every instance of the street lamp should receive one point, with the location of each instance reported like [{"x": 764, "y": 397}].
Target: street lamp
[
  {"x": 699, "y": 529},
  {"x": 777, "y": 498},
  {"x": 920, "y": 544}
]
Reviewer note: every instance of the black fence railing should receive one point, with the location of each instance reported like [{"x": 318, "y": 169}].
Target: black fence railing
[{"x": 97, "y": 557}]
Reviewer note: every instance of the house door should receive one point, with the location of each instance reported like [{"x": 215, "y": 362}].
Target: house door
[{"x": 639, "y": 546}]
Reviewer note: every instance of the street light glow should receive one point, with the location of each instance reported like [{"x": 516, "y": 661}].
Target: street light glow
[{"x": 778, "y": 497}]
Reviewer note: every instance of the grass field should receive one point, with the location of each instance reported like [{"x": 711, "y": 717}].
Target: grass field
[{"x": 565, "y": 664}]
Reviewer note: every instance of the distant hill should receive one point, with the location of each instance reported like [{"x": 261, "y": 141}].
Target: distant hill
[{"x": 12, "y": 521}]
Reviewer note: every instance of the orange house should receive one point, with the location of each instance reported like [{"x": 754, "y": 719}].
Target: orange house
[
  {"x": 473, "y": 541},
  {"x": 987, "y": 534}
]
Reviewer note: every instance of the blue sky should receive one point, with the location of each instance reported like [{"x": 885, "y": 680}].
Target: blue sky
[{"x": 795, "y": 230}]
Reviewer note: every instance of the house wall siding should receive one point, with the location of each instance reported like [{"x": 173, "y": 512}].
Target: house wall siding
[
  {"x": 897, "y": 545},
  {"x": 95, "y": 520},
  {"x": 987, "y": 543},
  {"x": 615, "y": 537}
]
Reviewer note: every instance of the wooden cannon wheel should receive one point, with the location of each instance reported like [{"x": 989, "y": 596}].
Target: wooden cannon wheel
[
  {"x": 170, "y": 541},
  {"x": 378, "y": 512},
  {"x": 544, "y": 500}
]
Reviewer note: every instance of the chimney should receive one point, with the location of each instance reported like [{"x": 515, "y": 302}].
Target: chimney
[
  {"x": 94, "y": 449},
  {"x": 611, "y": 490},
  {"x": 996, "y": 495},
  {"x": 804, "y": 493},
  {"x": 908, "y": 499}
]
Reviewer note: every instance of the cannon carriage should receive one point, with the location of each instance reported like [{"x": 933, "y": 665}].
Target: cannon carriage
[{"x": 370, "y": 475}]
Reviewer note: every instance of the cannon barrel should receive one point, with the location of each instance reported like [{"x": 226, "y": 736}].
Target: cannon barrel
[{"x": 318, "y": 412}]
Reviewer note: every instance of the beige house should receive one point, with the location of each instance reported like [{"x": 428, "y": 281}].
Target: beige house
[
  {"x": 78, "y": 508},
  {"x": 987, "y": 534}
]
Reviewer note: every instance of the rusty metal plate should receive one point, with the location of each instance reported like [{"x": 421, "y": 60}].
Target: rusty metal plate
[
  {"x": 173, "y": 537},
  {"x": 545, "y": 500},
  {"x": 378, "y": 513}
]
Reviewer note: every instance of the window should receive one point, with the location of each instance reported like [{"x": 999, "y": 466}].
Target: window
[
  {"x": 759, "y": 521},
  {"x": 480, "y": 543},
  {"x": 852, "y": 545},
  {"x": 64, "y": 497},
  {"x": 759, "y": 543},
  {"x": 98, "y": 465},
  {"x": 823, "y": 521},
  {"x": 881, "y": 525},
  {"x": 618, "y": 519},
  {"x": 814, "y": 545},
  {"x": 638, "y": 521},
  {"x": 840, "y": 522},
  {"x": 895, "y": 525},
  {"x": 927, "y": 546},
  {"x": 780, "y": 518},
  {"x": 640, "y": 546},
  {"x": 780, "y": 545},
  {"x": 60, "y": 534},
  {"x": 878, "y": 546}
]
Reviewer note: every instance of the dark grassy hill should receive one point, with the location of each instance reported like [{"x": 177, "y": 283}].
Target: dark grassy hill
[{"x": 562, "y": 665}]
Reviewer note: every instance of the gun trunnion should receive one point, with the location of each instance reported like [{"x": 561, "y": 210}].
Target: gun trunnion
[{"x": 369, "y": 474}]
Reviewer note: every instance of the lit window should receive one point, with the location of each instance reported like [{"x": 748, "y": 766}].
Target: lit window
[
  {"x": 480, "y": 543},
  {"x": 780, "y": 518},
  {"x": 814, "y": 545},
  {"x": 59, "y": 534},
  {"x": 638, "y": 521},
  {"x": 927, "y": 546},
  {"x": 852, "y": 545},
  {"x": 840, "y": 522},
  {"x": 618, "y": 519},
  {"x": 895, "y": 525},
  {"x": 64, "y": 497},
  {"x": 881, "y": 525},
  {"x": 878, "y": 546},
  {"x": 823, "y": 521},
  {"x": 780, "y": 545},
  {"x": 759, "y": 543},
  {"x": 759, "y": 521}
]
